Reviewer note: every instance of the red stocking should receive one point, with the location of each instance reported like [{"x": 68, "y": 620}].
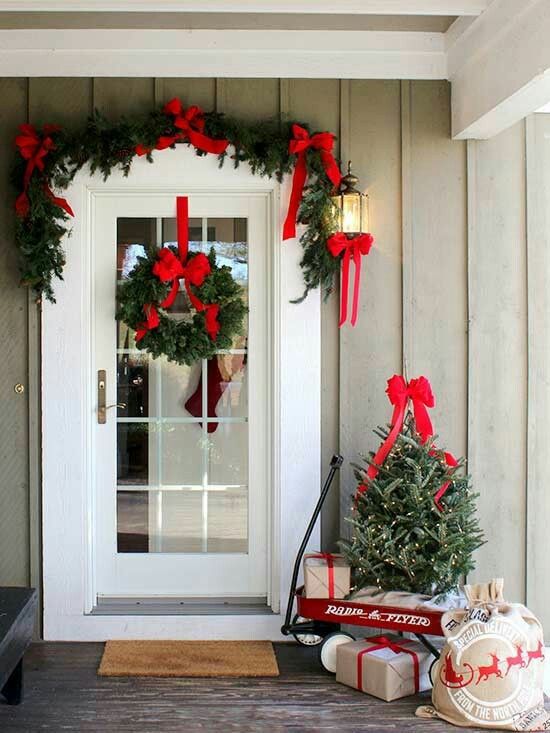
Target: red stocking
[{"x": 216, "y": 387}]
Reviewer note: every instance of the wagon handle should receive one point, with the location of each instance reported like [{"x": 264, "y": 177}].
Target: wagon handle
[{"x": 335, "y": 463}]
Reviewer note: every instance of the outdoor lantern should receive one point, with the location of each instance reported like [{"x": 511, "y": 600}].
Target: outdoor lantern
[{"x": 353, "y": 206}]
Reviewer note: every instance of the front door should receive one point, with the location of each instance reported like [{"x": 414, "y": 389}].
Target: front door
[{"x": 181, "y": 477}]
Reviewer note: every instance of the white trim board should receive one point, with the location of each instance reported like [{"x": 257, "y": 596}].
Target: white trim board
[
  {"x": 295, "y": 470},
  {"x": 223, "y": 53},
  {"x": 353, "y": 7}
]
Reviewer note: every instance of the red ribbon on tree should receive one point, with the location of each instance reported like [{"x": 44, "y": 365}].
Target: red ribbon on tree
[
  {"x": 33, "y": 148},
  {"x": 171, "y": 269},
  {"x": 191, "y": 123},
  {"x": 400, "y": 392},
  {"x": 299, "y": 145},
  {"x": 383, "y": 642},
  {"x": 329, "y": 557},
  {"x": 353, "y": 248}
]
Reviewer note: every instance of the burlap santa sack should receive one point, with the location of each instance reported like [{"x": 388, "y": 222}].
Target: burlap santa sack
[{"x": 491, "y": 668}]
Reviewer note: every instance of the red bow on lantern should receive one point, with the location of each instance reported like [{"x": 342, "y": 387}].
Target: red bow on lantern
[
  {"x": 419, "y": 392},
  {"x": 34, "y": 148},
  {"x": 299, "y": 145},
  {"x": 352, "y": 248},
  {"x": 171, "y": 269},
  {"x": 191, "y": 123}
]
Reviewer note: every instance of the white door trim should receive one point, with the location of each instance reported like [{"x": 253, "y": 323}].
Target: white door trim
[{"x": 68, "y": 394}]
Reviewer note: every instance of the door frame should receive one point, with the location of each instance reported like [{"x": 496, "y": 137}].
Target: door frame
[{"x": 68, "y": 396}]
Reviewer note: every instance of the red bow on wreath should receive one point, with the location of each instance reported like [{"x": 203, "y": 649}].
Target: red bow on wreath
[
  {"x": 191, "y": 123},
  {"x": 354, "y": 249},
  {"x": 171, "y": 269},
  {"x": 299, "y": 145},
  {"x": 34, "y": 148},
  {"x": 419, "y": 392}
]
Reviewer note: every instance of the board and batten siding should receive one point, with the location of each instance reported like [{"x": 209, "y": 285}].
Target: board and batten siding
[{"x": 460, "y": 231}]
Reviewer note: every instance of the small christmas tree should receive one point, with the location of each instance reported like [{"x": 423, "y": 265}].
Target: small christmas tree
[{"x": 401, "y": 538}]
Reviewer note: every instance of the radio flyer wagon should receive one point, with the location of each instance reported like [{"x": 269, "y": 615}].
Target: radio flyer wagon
[{"x": 317, "y": 621}]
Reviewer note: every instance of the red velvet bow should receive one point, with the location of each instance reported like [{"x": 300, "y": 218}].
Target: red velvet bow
[
  {"x": 191, "y": 123},
  {"x": 419, "y": 392},
  {"x": 33, "y": 148},
  {"x": 352, "y": 248},
  {"x": 384, "y": 642},
  {"x": 171, "y": 269},
  {"x": 299, "y": 145}
]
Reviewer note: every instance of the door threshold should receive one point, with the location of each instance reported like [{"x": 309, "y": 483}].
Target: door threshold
[{"x": 181, "y": 607}]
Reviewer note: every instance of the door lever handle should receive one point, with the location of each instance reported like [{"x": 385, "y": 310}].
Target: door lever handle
[
  {"x": 101, "y": 392},
  {"x": 122, "y": 405}
]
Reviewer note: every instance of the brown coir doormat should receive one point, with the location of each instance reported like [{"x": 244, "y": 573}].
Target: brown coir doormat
[{"x": 188, "y": 659}]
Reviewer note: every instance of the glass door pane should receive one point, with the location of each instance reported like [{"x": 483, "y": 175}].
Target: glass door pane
[{"x": 182, "y": 435}]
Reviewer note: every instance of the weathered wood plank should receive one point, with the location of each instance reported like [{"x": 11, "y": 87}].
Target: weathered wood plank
[
  {"x": 317, "y": 101},
  {"x": 64, "y": 693},
  {"x": 497, "y": 352},
  {"x": 372, "y": 351},
  {"x": 14, "y": 489},
  {"x": 538, "y": 396},
  {"x": 435, "y": 309},
  {"x": 17, "y": 619}
]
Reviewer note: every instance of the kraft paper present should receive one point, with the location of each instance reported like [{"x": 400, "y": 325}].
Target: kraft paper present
[
  {"x": 384, "y": 673},
  {"x": 325, "y": 572}
]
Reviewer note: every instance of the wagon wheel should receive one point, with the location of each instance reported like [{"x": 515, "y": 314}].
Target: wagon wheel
[
  {"x": 305, "y": 639},
  {"x": 327, "y": 652},
  {"x": 431, "y": 670}
]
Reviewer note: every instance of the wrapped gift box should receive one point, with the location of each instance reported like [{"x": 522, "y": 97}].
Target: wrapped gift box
[
  {"x": 387, "y": 667},
  {"x": 326, "y": 576}
]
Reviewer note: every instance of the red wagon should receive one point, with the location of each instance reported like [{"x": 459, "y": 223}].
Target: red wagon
[{"x": 317, "y": 621}]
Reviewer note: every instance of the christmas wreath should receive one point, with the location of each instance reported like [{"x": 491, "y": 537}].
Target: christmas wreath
[
  {"x": 215, "y": 309},
  {"x": 49, "y": 159}
]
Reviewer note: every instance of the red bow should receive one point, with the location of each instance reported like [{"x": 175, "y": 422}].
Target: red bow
[
  {"x": 352, "y": 248},
  {"x": 299, "y": 145},
  {"x": 34, "y": 148},
  {"x": 152, "y": 321},
  {"x": 419, "y": 392},
  {"x": 191, "y": 123},
  {"x": 171, "y": 269},
  {"x": 384, "y": 642}
]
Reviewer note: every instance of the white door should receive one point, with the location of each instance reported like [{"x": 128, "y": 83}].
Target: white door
[{"x": 181, "y": 464}]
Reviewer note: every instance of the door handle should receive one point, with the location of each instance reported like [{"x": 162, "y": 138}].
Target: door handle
[{"x": 101, "y": 398}]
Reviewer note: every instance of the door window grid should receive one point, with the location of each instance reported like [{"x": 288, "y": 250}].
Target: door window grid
[{"x": 156, "y": 488}]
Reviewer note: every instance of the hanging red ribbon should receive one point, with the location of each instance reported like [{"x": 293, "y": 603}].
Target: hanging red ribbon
[
  {"x": 299, "y": 145},
  {"x": 383, "y": 642},
  {"x": 33, "y": 148},
  {"x": 354, "y": 248},
  {"x": 329, "y": 559},
  {"x": 151, "y": 321},
  {"x": 171, "y": 269},
  {"x": 419, "y": 392},
  {"x": 191, "y": 122}
]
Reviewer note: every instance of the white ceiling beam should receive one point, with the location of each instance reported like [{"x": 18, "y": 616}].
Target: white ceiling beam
[
  {"x": 499, "y": 68},
  {"x": 342, "y": 7},
  {"x": 224, "y": 53}
]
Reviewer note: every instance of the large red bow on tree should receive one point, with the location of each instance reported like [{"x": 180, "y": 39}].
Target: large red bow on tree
[
  {"x": 171, "y": 269},
  {"x": 354, "y": 249},
  {"x": 299, "y": 145},
  {"x": 33, "y": 148},
  {"x": 419, "y": 393},
  {"x": 191, "y": 123}
]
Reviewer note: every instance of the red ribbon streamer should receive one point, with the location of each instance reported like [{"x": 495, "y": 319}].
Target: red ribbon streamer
[
  {"x": 383, "y": 642},
  {"x": 33, "y": 148},
  {"x": 329, "y": 558},
  {"x": 171, "y": 269},
  {"x": 419, "y": 392},
  {"x": 299, "y": 145},
  {"x": 353, "y": 248},
  {"x": 191, "y": 122}
]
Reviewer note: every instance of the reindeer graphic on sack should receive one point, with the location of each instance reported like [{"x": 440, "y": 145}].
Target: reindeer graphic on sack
[{"x": 491, "y": 668}]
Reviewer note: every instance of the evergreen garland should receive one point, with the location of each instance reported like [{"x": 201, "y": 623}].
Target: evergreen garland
[
  {"x": 107, "y": 145},
  {"x": 400, "y": 540}
]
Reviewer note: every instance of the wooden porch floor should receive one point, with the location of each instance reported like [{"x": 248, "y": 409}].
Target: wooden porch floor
[{"x": 63, "y": 693}]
